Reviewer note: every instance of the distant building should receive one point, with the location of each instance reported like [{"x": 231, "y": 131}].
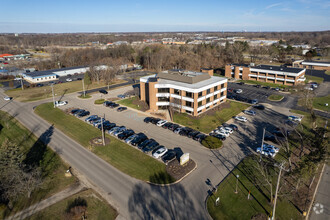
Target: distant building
[
  {"x": 185, "y": 91},
  {"x": 317, "y": 65},
  {"x": 39, "y": 76},
  {"x": 266, "y": 73}
]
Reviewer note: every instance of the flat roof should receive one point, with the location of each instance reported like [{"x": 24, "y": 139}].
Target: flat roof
[
  {"x": 316, "y": 62},
  {"x": 39, "y": 74},
  {"x": 278, "y": 68},
  {"x": 184, "y": 76}
]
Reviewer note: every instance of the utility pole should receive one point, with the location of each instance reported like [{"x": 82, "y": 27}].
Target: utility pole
[
  {"x": 277, "y": 186},
  {"x": 103, "y": 141},
  {"x": 53, "y": 94},
  {"x": 237, "y": 176}
]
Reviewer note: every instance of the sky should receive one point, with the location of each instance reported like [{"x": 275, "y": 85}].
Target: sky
[{"x": 69, "y": 16}]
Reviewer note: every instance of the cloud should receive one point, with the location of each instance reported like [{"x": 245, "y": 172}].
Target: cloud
[{"x": 273, "y": 5}]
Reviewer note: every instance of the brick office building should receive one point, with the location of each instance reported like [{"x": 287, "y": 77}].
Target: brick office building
[
  {"x": 266, "y": 73},
  {"x": 187, "y": 91},
  {"x": 315, "y": 65}
]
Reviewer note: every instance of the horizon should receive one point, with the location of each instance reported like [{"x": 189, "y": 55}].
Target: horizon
[{"x": 103, "y": 16}]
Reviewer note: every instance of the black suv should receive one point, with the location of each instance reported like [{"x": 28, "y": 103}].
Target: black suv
[
  {"x": 103, "y": 91},
  {"x": 126, "y": 134},
  {"x": 140, "y": 138},
  {"x": 148, "y": 119}
]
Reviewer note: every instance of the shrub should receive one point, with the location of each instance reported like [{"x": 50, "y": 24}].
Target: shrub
[
  {"x": 212, "y": 142},
  {"x": 99, "y": 101}
]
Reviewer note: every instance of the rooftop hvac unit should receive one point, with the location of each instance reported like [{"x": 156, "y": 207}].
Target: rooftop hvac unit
[{"x": 251, "y": 64}]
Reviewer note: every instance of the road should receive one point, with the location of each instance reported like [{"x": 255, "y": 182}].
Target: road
[
  {"x": 320, "y": 210},
  {"x": 135, "y": 199}
]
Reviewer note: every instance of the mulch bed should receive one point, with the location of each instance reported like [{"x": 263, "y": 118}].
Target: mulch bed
[
  {"x": 98, "y": 141},
  {"x": 143, "y": 105},
  {"x": 177, "y": 171}
]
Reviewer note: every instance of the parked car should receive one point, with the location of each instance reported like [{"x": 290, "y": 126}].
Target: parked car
[
  {"x": 159, "y": 152},
  {"x": 7, "y": 98},
  {"x": 155, "y": 120},
  {"x": 169, "y": 156},
  {"x": 140, "y": 138},
  {"x": 144, "y": 143},
  {"x": 68, "y": 80},
  {"x": 126, "y": 134},
  {"x": 119, "y": 131},
  {"x": 266, "y": 87},
  {"x": 107, "y": 103},
  {"x": 73, "y": 111},
  {"x": 272, "y": 147},
  {"x": 220, "y": 137},
  {"x": 148, "y": 119},
  {"x": 258, "y": 85},
  {"x": 150, "y": 146},
  {"x": 266, "y": 152},
  {"x": 91, "y": 118},
  {"x": 161, "y": 123},
  {"x": 114, "y": 129},
  {"x": 121, "y": 96},
  {"x": 83, "y": 114},
  {"x": 103, "y": 91},
  {"x": 277, "y": 89},
  {"x": 238, "y": 91},
  {"x": 192, "y": 134},
  {"x": 261, "y": 107},
  {"x": 167, "y": 125},
  {"x": 241, "y": 83},
  {"x": 294, "y": 118},
  {"x": 173, "y": 127},
  {"x": 241, "y": 118},
  {"x": 249, "y": 112},
  {"x": 120, "y": 109},
  {"x": 129, "y": 139},
  {"x": 254, "y": 101},
  {"x": 113, "y": 105},
  {"x": 108, "y": 126},
  {"x": 60, "y": 103},
  {"x": 200, "y": 137},
  {"x": 78, "y": 112}
]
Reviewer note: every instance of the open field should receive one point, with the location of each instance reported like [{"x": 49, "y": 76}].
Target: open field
[
  {"x": 96, "y": 208},
  {"x": 208, "y": 121},
  {"x": 122, "y": 156},
  {"x": 35, "y": 152},
  {"x": 37, "y": 93}
]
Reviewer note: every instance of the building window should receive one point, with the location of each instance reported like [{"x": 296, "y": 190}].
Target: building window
[
  {"x": 208, "y": 100},
  {"x": 215, "y": 97},
  {"x": 208, "y": 91},
  {"x": 200, "y": 104},
  {"x": 215, "y": 88},
  {"x": 188, "y": 104},
  {"x": 222, "y": 86},
  {"x": 163, "y": 99},
  {"x": 189, "y": 112},
  {"x": 200, "y": 94},
  {"x": 241, "y": 71},
  {"x": 37, "y": 79},
  {"x": 199, "y": 111},
  {"x": 222, "y": 93},
  {"x": 163, "y": 90},
  {"x": 176, "y": 91},
  {"x": 189, "y": 94}
]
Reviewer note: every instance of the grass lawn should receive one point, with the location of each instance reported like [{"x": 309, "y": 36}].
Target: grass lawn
[
  {"x": 273, "y": 85},
  {"x": 32, "y": 150},
  {"x": 274, "y": 97},
  {"x": 237, "y": 206},
  {"x": 206, "y": 123},
  {"x": 37, "y": 93},
  {"x": 85, "y": 97},
  {"x": 99, "y": 101},
  {"x": 122, "y": 156},
  {"x": 319, "y": 103},
  {"x": 327, "y": 72},
  {"x": 97, "y": 208},
  {"x": 129, "y": 102},
  {"x": 316, "y": 79}
]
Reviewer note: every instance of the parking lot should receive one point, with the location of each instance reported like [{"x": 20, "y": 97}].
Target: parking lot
[
  {"x": 251, "y": 92},
  {"x": 211, "y": 164}
]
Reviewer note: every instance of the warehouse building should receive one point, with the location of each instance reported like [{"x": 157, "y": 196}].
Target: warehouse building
[
  {"x": 315, "y": 65},
  {"x": 185, "y": 91}
]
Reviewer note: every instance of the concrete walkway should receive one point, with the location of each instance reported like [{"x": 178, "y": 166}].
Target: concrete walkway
[{"x": 48, "y": 202}]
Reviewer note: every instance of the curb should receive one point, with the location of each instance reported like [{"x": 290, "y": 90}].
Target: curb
[
  {"x": 317, "y": 186},
  {"x": 275, "y": 100}
]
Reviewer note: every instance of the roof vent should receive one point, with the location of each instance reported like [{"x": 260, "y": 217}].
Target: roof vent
[
  {"x": 270, "y": 68},
  {"x": 281, "y": 68}
]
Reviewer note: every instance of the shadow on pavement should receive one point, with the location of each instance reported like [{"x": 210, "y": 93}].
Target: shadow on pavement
[{"x": 154, "y": 202}]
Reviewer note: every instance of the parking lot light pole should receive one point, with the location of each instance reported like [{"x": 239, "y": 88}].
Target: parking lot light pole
[
  {"x": 22, "y": 83},
  {"x": 237, "y": 176},
  {"x": 84, "y": 92},
  {"x": 52, "y": 85},
  {"x": 103, "y": 141},
  {"x": 262, "y": 143}
]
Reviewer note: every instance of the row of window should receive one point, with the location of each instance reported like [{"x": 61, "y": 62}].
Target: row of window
[
  {"x": 42, "y": 78},
  {"x": 190, "y": 94}
]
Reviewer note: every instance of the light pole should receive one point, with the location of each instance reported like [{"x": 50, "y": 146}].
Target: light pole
[
  {"x": 22, "y": 83},
  {"x": 103, "y": 141},
  {"x": 84, "y": 92},
  {"x": 262, "y": 144},
  {"x": 237, "y": 176},
  {"x": 52, "y": 85}
]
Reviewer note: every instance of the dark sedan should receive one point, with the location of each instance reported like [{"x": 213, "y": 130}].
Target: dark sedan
[{"x": 169, "y": 156}]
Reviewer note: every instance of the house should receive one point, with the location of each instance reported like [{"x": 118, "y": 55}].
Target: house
[
  {"x": 186, "y": 91},
  {"x": 266, "y": 73}
]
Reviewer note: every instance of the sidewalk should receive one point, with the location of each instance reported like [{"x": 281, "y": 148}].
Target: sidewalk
[{"x": 48, "y": 202}]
